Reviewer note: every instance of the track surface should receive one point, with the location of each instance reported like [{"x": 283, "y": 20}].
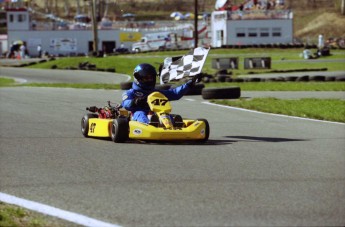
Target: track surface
[
  {"x": 256, "y": 169},
  {"x": 24, "y": 75}
]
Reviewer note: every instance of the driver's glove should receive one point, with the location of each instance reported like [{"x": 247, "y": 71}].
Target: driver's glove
[{"x": 196, "y": 79}]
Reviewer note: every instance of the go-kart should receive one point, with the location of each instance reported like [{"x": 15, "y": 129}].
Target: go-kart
[{"x": 116, "y": 123}]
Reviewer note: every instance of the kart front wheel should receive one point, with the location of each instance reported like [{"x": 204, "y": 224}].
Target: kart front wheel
[
  {"x": 85, "y": 123},
  {"x": 207, "y": 129},
  {"x": 120, "y": 130}
]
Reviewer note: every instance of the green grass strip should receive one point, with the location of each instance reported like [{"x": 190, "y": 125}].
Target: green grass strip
[
  {"x": 6, "y": 82},
  {"x": 284, "y": 86},
  {"x": 321, "y": 109},
  {"x": 16, "y": 216}
]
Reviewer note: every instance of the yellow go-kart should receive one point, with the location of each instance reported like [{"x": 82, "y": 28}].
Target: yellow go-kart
[{"x": 115, "y": 122}]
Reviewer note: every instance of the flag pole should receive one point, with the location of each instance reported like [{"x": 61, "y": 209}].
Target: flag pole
[{"x": 196, "y": 23}]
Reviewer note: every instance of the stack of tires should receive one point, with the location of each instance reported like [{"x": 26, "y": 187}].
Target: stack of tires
[{"x": 199, "y": 89}]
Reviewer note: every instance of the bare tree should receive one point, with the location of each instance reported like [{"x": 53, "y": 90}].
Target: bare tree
[
  {"x": 67, "y": 8},
  {"x": 106, "y": 7},
  {"x": 46, "y": 6},
  {"x": 78, "y": 6}
]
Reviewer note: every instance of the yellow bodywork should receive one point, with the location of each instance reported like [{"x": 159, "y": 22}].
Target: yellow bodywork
[
  {"x": 195, "y": 131},
  {"x": 100, "y": 127},
  {"x": 191, "y": 130}
]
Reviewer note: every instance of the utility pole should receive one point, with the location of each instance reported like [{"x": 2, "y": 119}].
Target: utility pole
[
  {"x": 196, "y": 23},
  {"x": 94, "y": 27}
]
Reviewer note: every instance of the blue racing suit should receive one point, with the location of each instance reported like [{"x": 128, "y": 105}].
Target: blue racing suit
[{"x": 140, "y": 112}]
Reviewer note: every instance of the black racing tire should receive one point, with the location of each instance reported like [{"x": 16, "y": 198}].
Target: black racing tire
[
  {"x": 126, "y": 85},
  {"x": 340, "y": 78},
  {"x": 207, "y": 129},
  {"x": 221, "y": 77},
  {"x": 317, "y": 78},
  {"x": 196, "y": 90},
  {"x": 303, "y": 78},
  {"x": 120, "y": 130},
  {"x": 221, "y": 93},
  {"x": 330, "y": 78},
  {"x": 254, "y": 79},
  {"x": 341, "y": 43},
  {"x": 291, "y": 78},
  {"x": 85, "y": 123}
]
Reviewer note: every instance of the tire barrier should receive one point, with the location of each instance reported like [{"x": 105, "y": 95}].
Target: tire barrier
[
  {"x": 317, "y": 78},
  {"x": 196, "y": 90},
  {"x": 221, "y": 93},
  {"x": 303, "y": 78},
  {"x": 126, "y": 85}
]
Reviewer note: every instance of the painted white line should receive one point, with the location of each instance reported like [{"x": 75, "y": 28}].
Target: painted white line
[
  {"x": 56, "y": 212},
  {"x": 21, "y": 81},
  {"x": 272, "y": 114},
  {"x": 192, "y": 100}
]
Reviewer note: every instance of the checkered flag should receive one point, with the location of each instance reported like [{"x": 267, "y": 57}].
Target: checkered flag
[{"x": 176, "y": 68}]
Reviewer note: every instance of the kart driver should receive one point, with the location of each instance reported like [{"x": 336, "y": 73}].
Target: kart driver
[{"x": 135, "y": 99}]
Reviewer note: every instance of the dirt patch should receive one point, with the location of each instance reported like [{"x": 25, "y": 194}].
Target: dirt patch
[{"x": 331, "y": 24}]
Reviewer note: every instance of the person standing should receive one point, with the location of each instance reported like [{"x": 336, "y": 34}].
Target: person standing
[
  {"x": 39, "y": 50},
  {"x": 22, "y": 51},
  {"x": 321, "y": 42}
]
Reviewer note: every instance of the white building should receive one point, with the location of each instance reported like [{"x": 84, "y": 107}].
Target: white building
[
  {"x": 249, "y": 27},
  {"x": 76, "y": 39}
]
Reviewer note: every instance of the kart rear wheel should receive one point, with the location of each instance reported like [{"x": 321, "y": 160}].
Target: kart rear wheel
[
  {"x": 221, "y": 93},
  {"x": 85, "y": 123},
  {"x": 207, "y": 130},
  {"x": 120, "y": 130}
]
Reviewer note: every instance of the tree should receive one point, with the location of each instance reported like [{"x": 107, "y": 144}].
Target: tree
[{"x": 66, "y": 7}]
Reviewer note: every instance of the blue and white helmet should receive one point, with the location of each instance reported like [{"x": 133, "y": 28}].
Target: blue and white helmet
[{"x": 145, "y": 76}]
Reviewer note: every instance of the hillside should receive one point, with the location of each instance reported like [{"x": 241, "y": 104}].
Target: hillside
[{"x": 309, "y": 24}]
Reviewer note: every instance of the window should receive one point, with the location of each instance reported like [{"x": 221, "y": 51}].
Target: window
[
  {"x": 20, "y": 17},
  {"x": 276, "y": 32},
  {"x": 240, "y": 32},
  {"x": 252, "y": 32},
  {"x": 11, "y": 18},
  {"x": 264, "y": 32}
]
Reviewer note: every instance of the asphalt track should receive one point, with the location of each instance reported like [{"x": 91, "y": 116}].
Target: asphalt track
[
  {"x": 256, "y": 170},
  {"x": 25, "y": 75}
]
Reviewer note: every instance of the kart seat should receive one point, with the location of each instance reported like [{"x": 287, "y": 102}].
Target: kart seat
[
  {"x": 178, "y": 121},
  {"x": 154, "y": 121}
]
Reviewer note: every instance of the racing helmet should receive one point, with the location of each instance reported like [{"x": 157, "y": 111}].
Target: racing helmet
[{"x": 145, "y": 76}]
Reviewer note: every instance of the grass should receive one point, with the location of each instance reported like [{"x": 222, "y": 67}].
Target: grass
[
  {"x": 321, "y": 109},
  {"x": 15, "y": 216},
  {"x": 5, "y": 82},
  {"x": 125, "y": 63},
  {"x": 247, "y": 86},
  {"x": 284, "y": 86}
]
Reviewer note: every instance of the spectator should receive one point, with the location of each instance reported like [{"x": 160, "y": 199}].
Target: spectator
[
  {"x": 321, "y": 42},
  {"x": 39, "y": 51},
  {"x": 22, "y": 50},
  {"x": 307, "y": 54}
]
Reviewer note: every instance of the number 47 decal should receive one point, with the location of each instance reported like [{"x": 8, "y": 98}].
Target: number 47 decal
[{"x": 159, "y": 102}]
